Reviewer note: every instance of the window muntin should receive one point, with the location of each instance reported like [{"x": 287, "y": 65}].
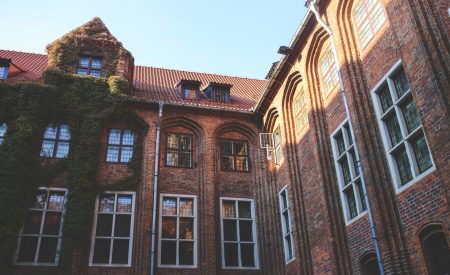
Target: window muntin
[
  {"x": 369, "y": 17},
  {"x": 89, "y": 65},
  {"x": 179, "y": 150},
  {"x": 56, "y": 143},
  {"x": 286, "y": 225},
  {"x": 328, "y": 72},
  {"x": 239, "y": 247},
  {"x": 120, "y": 145},
  {"x": 403, "y": 136},
  {"x": 3, "y": 129},
  {"x": 277, "y": 146},
  {"x": 347, "y": 173},
  {"x": 177, "y": 231},
  {"x": 234, "y": 155},
  {"x": 40, "y": 238},
  {"x": 300, "y": 111},
  {"x": 222, "y": 95},
  {"x": 112, "y": 235}
]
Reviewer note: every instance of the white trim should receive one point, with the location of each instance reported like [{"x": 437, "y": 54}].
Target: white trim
[
  {"x": 177, "y": 240},
  {"x": 255, "y": 237},
  {"x": 112, "y": 238},
  {"x": 40, "y": 234},
  {"x": 406, "y": 137},
  {"x": 283, "y": 225}
]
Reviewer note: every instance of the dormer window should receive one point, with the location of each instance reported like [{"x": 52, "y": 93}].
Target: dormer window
[
  {"x": 4, "y": 68},
  {"x": 188, "y": 89},
  {"x": 218, "y": 91},
  {"x": 89, "y": 65}
]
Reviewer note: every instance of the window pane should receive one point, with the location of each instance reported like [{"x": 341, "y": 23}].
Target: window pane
[
  {"x": 349, "y": 194},
  {"x": 361, "y": 195},
  {"x": 226, "y": 148},
  {"x": 410, "y": 114},
  {"x": 185, "y": 159},
  {"x": 124, "y": 203},
  {"x": 287, "y": 225},
  {"x": 114, "y": 136},
  {"x": 95, "y": 73},
  {"x": 283, "y": 198},
  {"x": 247, "y": 255},
  {"x": 186, "y": 253},
  {"x": 186, "y": 230},
  {"x": 3, "y": 129},
  {"x": 104, "y": 225},
  {"x": 345, "y": 170},
  {"x": 340, "y": 143},
  {"x": 385, "y": 98},
  {"x": 403, "y": 165},
  {"x": 52, "y": 223},
  {"x": 172, "y": 141},
  {"x": 122, "y": 226},
  {"x": 64, "y": 132},
  {"x": 47, "y": 149},
  {"x": 172, "y": 158},
  {"x": 32, "y": 222},
  {"x": 169, "y": 206},
  {"x": 245, "y": 209},
  {"x": 241, "y": 163},
  {"x": 288, "y": 244},
  {"x": 231, "y": 254},
  {"x": 393, "y": 128},
  {"x": 63, "y": 150},
  {"x": 245, "y": 231},
  {"x": 120, "y": 252},
  {"x": 229, "y": 230},
  {"x": 41, "y": 197},
  {"x": 422, "y": 154},
  {"x": 56, "y": 201},
  {"x": 186, "y": 207},
  {"x": 112, "y": 155},
  {"x": 50, "y": 132},
  {"x": 401, "y": 84},
  {"x": 84, "y": 62},
  {"x": 185, "y": 143},
  {"x": 47, "y": 250},
  {"x": 82, "y": 71},
  {"x": 228, "y": 209},
  {"x": 101, "y": 251},
  {"x": 27, "y": 249},
  {"x": 240, "y": 148},
  {"x": 106, "y": 203},
  {"x": 127, "y": 154},
  {"x": 353, "y": 161},
  {"x": 227, "y": 163},
  {"x": 168, "y": 252},
  {"x": 96, "y": 63},
  {"x": 128, "y": 137},
  {"x": 169, "y": 228}
]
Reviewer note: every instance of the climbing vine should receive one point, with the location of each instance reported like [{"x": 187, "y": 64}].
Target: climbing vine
[{"x": 86, "y": 104}]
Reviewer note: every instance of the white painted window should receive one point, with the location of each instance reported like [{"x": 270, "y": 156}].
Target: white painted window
[
  {"x": 120, "y": 145},
  {"x": 112, "y": 234},
  {"x": 177, "y": 231},
  {"x": 56, "y": 141},
  {"x": 300, "y": 111},
  {"x": 286, "y": 225},
  {"x": 403, "y": 137},
  {"x": 277, "y": 144},
  {"x": 369, "y": 17},
  {"x": 40, "y": 237},
  {"x": 239, "y": 246},
  {"x": 3, "y": 129},
  {"x": 348, "y": 177}
]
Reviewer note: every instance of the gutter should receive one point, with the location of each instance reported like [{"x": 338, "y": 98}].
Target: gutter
[
  {"x": 312, "y": 7},
  {"x": 155, "y": 188}
]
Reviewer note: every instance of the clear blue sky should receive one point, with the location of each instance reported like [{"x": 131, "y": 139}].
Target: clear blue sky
[{"x": 232, "y": 37}]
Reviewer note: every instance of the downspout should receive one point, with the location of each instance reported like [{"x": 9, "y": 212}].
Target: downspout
[
  {"x": 155, "y": 187},
  {"x": 312, "y": 7}
]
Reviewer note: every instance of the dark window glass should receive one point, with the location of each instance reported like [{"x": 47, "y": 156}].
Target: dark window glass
[
  {"x": 361, "y": 195},
  {"x": 56, "y": 141},
  {"x": 369, "y": 265},
  {"x": 52, "y": 223},
  {"x": 186, "y": 253},
  {"x": 27, "y": 249},
  {"x": 120, "y": 145},
  {"x": 393, "y": 128},
  {"x": 47, "y": 250},
  {"x": 169, "y": 228},
  {"x": 221, "y": 95},
  {"x": 245, "y": 231},
  {"x": 122, "y": 226},
  {"x": 179, "y": 150},
  {"x": 168, "y": 252},
  {"x": 101, "y": 251},
  {"x": 229, "y": 230},
  {"x": 403, "y": 165},
  {"x": 33, "y": 222},
  {"x": 340, "y": 143},
  {"x": 345, "y": 170},
  {"x": 231, "y": 254},
  {"x": 247, "y": 255},
  {"x": 104, "y": 225},
  {"x": 234, "y": 155},
  {"x": 401, "y": 83},
  {"x": 350, "y": 195},
  {"x": 410, "y": 115},
  {"x": 421, "y": 153},
  {"x": 385, "y": 98},
  {"x": 89, "y": 65},
  {"x": 120, "y": 251},
  {"x": 435, "y": 247}
]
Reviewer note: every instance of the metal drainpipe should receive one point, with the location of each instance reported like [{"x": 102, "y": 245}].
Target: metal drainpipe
[
  {"x": 312, "y": 7},
  {"x": 155, "y": 187}
]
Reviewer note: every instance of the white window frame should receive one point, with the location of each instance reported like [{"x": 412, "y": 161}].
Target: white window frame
[
  {"x": 283, "y": 225},
  {"x": 417, "y": 176},
  {"x": 44, "y": 211},
  {"x": 353, "y": 173},
  {"x": 195, "y": 240},
  {"x": 94, "y": 229},
  {"x": 255, "y": 237}
]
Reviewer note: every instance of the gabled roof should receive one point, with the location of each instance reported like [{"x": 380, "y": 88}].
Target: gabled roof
[{"x": 155, "y": 84}]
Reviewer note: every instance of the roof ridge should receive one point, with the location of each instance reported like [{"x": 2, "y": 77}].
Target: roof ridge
[
  {"x": 14, "y": 51},
  {"x": 196, "y": 72}
]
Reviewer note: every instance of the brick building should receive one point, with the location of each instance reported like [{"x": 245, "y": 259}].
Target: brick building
[{"x": 357, "y": 127}]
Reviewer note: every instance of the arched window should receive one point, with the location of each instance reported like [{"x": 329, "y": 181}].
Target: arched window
[
  {"x": 435, "y": 248},
  {"x": 368, "y": 17},
  {"x": 328, "y": 72},
  {"x": 369, "y": 264},
  {"x": 300, "y": 111}
]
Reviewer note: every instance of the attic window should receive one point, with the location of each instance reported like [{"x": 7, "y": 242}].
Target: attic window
[
  {"x": 218, "y": 92},
  {"x": 188, "y": 89},
  {"x": 4, "y": 68},
  {"x": 89, "y": 65}
]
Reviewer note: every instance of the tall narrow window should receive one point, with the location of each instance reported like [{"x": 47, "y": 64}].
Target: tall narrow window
[
  {"x": 112, "y": 235},
  {"x": 120, "y": 146},
  {"x": 89, "y": 65},
  {"x": 239, "y": 249},
  {"x": 348, "y": 174},
  {"x": 40, "y": 238},
  {"x": 177, "y": 231},
  {"x": 369, "y": 17},
  {"x": 403, "y": 136},
  {"x": 179, "y": 150},
  {"x": 234, "y": 155},
  {"x": 3, "y": 129},
  {"x": 328, "y": 72},
  {"x": 278, "y": 148},
  {"x": 300, "y": 111},
  {"x": 286, "y": 225},
  {"x": 436, "y": 249},
  {"x": 56, "y": 141}
]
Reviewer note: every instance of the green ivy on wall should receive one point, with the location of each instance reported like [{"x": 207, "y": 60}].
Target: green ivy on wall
[{"x": 86, "y": 104}]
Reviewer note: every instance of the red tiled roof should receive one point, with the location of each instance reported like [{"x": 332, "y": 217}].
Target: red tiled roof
[{"x": 154, "y": 84}]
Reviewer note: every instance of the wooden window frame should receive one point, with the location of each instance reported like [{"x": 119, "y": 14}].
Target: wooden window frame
[
  {"x": 234, "y": 155},
  {"x": 286, "y": 232},
  {"x": 178, "y": 134},
  {"x": 57, "y": 140},
  {"x": 120, "y": 146},
  {"x": 89, "y": 68}
]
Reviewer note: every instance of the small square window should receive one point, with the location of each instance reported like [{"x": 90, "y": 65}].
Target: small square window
[{"x": 89, "y": 65}]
